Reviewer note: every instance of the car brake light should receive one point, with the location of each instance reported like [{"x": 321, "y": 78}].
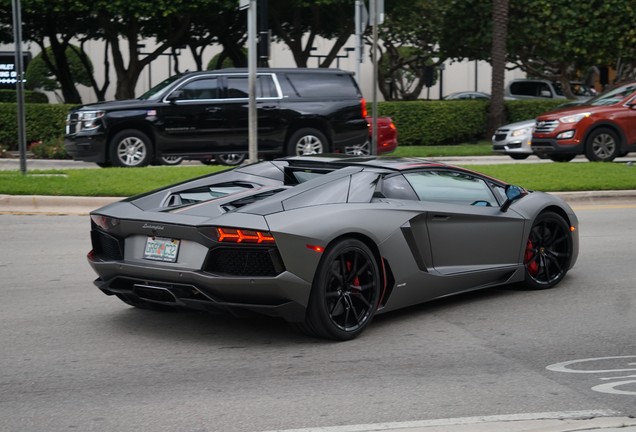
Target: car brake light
[
  {"x": 363, "y": 104},
  {"x": 239, "y": 235}
]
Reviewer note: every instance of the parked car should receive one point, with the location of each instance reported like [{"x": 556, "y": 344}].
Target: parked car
[
  {"x": 602, "y": 128},
  {"x": 463, "y": 95},
  {"x": 514, "y": 139},
  {"x": 328, "y": 242},
  {"x": 539, "y": 88},
  {"x": 203, "y": 114},
  {"x": 387, "y": 143}
]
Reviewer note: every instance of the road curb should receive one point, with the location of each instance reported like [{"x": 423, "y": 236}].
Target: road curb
[{"x": 73, "y": 205}]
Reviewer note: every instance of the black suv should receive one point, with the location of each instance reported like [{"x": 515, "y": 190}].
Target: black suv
[{"x": 202, "y": 115}]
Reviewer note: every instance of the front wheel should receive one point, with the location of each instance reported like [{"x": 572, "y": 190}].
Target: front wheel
[
  {"x": 130, "y": 148},
  {"x": 169, "y": 160},
  {"x": 344, "y": 294},
  {"x": 307, "y": 141},
  {"x": 602, "y": 145},
  {"x": 548, "y": 251}
]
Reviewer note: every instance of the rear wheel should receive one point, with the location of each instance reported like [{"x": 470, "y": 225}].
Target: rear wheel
[
  {"x": 169, "y": 160},
  {"x": 519, "y": 156},
  {"x": 307, "y": 141},
  {"x": 230, "y": 159},
  {"x": 602, "y": 145},
  {"x": 548, "y": 251},
  {"x": 344, "y": 295},
  {"x": 130, "y": 148}
]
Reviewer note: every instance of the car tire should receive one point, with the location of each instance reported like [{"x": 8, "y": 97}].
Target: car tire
[
  {"x": 519, "y": 156},
  {"x": 130, "y": 148},
  {"x": 561, "y": 157},
  {"x": 169, "y": 160},
  {"x": 548, "y": 251},
  {"x": 345, "y": 292},
  {"x": 603, "y": 145},
  {"x": 307, "y": 141},
  {"x": 360, "y": 149},
  {"x": 230, "y": 159}
]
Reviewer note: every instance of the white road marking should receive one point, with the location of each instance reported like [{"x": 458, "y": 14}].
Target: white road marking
[
  {"x": 458, "y": 421},
  {"x": 610, "y": 387}
]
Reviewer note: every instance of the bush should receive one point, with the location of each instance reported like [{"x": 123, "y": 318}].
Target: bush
[
  {"x": 10, "y": 96},
  {"x": 437, "y": 122},
  {"x": 49, "y": 149},
  {"x": 520, "y": 110},
  {"x": 43, "y": 122}
]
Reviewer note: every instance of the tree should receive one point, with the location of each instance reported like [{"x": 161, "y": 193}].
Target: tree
[
  {"x": 298, "y": 23},
  {"x": 410, "y": 37},
  {"x": 551, "y": 38},
  {"x": 39, "y": 75},
  {"x": 498, "y": 62}
]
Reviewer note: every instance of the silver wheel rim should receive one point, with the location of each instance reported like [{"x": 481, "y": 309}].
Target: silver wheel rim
[
  {"x": 360, "y": 150},
  {"x": 131, "y": 151},
  {"x": 603, "y": 146},
  {"x": 171, "y": 159},
  {"x": 232, "y": 158},
  {"x": 309, "y": 145}
]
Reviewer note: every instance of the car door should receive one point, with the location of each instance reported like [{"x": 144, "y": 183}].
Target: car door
[
  {"x": 270, "y": 121},
  {"x": 192, "y": 118},
  {"x": 463, "y": 228}
]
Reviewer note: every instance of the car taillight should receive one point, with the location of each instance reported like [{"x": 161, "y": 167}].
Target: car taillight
[
  {"x": 239, "y": 235},
  {"x": 104, "y": 222},
  {"x": 363, "y": 103}
]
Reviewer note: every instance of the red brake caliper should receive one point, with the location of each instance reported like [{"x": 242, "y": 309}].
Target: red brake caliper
[
  {"x": 356, "y": 281},
  {"x": 532, "y": 265}
]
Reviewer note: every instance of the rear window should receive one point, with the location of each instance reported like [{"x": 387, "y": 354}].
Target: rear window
[{"x": 324, "y": 85}]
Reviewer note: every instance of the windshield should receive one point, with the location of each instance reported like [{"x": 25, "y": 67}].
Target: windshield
[
  {"x": 613, "y": 96},
  {"x": 158, "y": 91}
]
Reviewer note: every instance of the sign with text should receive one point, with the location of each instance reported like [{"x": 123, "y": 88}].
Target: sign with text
[{"x": 9, "y": 70}]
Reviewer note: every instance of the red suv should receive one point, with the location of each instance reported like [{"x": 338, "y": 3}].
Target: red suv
[{"x": 601, "y": 128}]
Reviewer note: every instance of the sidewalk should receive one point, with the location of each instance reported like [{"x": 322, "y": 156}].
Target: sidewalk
[{"x": 573, "y": 421}]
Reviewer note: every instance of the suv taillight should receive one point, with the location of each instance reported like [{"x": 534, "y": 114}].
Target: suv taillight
[{"x": 363, "y": 104}]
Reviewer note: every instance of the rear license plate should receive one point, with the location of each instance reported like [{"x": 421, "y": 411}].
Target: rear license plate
[{"x": 161, "y": 249}]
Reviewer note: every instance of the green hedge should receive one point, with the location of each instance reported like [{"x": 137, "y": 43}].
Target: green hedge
[
  {"x": 9, "y": 96},
  {"x": 43, "y": 122},
  {"x": 436, "y": 122},
  {"x": 418, "y": 122}
]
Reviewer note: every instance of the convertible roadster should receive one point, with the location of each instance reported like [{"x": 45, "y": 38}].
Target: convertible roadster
[{"x": 326, "y": 242}]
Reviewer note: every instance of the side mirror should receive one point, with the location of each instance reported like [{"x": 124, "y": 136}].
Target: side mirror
[
  {"x": 513, "y": 193},
  {"x": 175, "y": 96}
]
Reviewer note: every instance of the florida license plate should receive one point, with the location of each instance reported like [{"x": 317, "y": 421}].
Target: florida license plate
[{"x": 161, "y": 249}]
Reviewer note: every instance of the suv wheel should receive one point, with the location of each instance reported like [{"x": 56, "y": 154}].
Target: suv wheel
[
  {"x": 169, "y": 160},
  {"x": 307, "y": 141},
  {"x": 230, "y": 159},
  {"x": 130, "y": 148},
  {"x": 602, "y": 145}
]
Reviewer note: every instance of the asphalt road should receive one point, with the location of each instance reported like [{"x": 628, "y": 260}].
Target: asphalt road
[{"x": 75, "y": 359}]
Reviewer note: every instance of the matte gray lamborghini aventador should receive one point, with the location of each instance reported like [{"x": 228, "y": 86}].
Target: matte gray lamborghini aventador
[{"x": 327, "y": 242}]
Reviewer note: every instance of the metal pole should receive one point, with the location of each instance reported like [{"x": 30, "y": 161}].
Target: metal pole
[
  {"x": 251, "y": 82},
  {"x": 374, "y": 98},
  {"x": 17, "y": 38},
  {"x": 358, "y": 48}
]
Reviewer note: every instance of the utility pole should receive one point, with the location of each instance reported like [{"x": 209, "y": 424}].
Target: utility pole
[{"x": 19, "y": 83}]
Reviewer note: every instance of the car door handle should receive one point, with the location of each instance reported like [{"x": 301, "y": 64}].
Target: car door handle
[{"x": 213, "y": 109}]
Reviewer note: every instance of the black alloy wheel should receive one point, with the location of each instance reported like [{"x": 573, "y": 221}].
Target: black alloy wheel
[
  {"x": 548, "y": 251},
  {"x": 345, "y": 292},
  {"x": 519, "y": 156}
]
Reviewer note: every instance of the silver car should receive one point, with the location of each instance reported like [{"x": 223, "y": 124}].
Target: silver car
[{"x": 514, "y": 139}]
